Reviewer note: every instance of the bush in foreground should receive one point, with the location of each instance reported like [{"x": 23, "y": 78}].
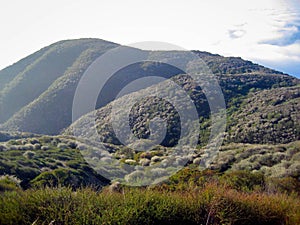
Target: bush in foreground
[{"x": 212, "y": 204}]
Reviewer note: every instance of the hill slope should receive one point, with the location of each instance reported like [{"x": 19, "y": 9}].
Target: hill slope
[
  {"x": 38, "y": 92},
  {"x": 236, "y": 90},
  {"x": 36, "y": 77},
  {"x": 267, "y": 117}
]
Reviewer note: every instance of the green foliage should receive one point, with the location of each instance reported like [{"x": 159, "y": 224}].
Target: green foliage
[
  {"x": 266, "y": 117},
  {"x": 189, "y": 178},
  {"x": 58, "y": 177},
  {"x": 243, "y": 180},
  {"x": 287, "y": 185},
  {"x": 190, "y": 196},
  {"x": 212, "y": 204},
  {"x": 51, "y": 167},
  {"x": 9, "y": 183},
  {"x": 271, "y": 160}
]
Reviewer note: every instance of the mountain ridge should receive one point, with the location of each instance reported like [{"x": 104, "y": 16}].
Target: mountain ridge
[
  {"x": 49, "y": 110},
  {"x": 262, "y": 135}
]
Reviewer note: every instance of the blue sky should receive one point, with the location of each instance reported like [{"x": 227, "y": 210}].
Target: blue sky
[{"x": 264, "y": 31}]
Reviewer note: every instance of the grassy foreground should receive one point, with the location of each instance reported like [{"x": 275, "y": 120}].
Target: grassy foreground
[{"x": 211, "y": 204}]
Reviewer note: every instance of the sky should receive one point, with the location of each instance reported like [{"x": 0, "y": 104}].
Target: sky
[{"x": 264, "y": 31}]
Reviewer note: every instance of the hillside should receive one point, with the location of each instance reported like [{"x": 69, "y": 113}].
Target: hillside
[
  {"x": 240, "y": 98},
  {"x": 49, "y": 110},
  {"x": 40, "y": 74},
  {"x": 47, "y": 160},
  {"x": 267, "y": 117},
  {"x": 53, "y": 171},
  {"x": 262, "y": 108},
  {"x": 37, "y": 92},
  {"x": 64, "y": 160},
  {"x": 10, "y": 72}
]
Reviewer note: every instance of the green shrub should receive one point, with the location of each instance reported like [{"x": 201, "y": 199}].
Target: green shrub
[
  {"x": 287, "y": 185},
  {"x": 57, "y": 177},
  {"x": 9, "y": 183},
  {"x": 243, "y": 180},
  {"x": 212, "y": 204}
]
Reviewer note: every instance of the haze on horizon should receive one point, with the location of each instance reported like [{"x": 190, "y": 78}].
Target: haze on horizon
[{"x": 264, "y": 31}]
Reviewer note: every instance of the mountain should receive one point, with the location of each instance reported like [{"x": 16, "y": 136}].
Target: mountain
[
  {"x": 9, "y": 73},
  {"x": 37, "y": 92},
  {"x": 33, "y": 79},
  {"x": 40, "y": 144},
  {"x": 262, "y": 135},
  {"x": 268, "y": 116}
]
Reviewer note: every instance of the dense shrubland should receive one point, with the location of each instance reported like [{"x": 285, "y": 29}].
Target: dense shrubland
[
  {"x": 255, "y": 178},
  {"x": 210, "y": 203},
  {"x": 63, "y": 160}
]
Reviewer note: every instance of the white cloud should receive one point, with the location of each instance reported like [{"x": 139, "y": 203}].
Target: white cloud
[
  {"x": 262, "y": 30},
  {"x": 267, "y": 33}
]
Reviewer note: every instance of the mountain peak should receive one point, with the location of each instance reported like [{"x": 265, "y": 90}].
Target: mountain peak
[{"x": 36, "y": 93}]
